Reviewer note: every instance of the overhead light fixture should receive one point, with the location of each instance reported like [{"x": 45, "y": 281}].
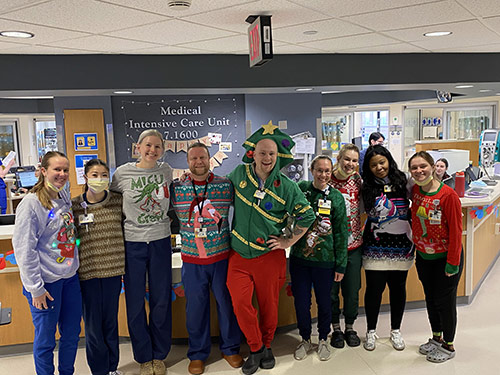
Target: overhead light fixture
[
  {"x": 485, "y": 90},
  {"x": 17, "y": 34},
  {"x": 29, "y": 97},
  {"x": 438, "y": 33},
  {"x": 463, "y": 86},
  {"x": 123, "y": 92},
  {"x": 498, "y": 93},
  {"x": 310, "y": 32},
  {"x": 179, "y": 4},
  {"x": 330, "y": 92},
  {"x": 302, "y": 89}
]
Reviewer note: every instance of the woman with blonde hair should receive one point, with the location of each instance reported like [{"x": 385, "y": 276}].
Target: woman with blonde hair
[
  {"x": 347, "y": 180},
  {"x": 44, "y": 243},
  {"x": 145, "y": 188}
]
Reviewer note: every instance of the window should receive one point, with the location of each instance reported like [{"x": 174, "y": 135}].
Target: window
[
  {"x": 371, "y": 121},
  {"x": 8, "y": 138},
  {"x": 46, "y": 136}
]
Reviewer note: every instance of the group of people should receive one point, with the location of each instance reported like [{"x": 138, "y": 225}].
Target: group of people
[{"x": 73, "y": 254}]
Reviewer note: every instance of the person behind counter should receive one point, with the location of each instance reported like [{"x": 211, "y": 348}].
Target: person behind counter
[
  {"x": 264, "y": 198},
  {"x": 437, "y": 233},
  {"x": 388, "y": 252},
  {"x": 319, "y": 257},
  {"x": 98, "y": 213},
  {"x": 441, "y": 167},
  {"x": 145, "y": 189},
  {"x": 202, "y": 204},
  {"x": 348, "y": 182},
  {"x": 44, "y": 244}
]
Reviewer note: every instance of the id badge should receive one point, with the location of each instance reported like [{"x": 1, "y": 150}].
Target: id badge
[
  {"x": 200, "y": 220},
  {"x": 86, "y": 219},
  {"x": 325, "y": 203},
  {"x": 435, "y": 217},
  {"x": 200, "y": 232},
  {"x": 259, "y": 194},
  {"x": 387, "y": 188}
]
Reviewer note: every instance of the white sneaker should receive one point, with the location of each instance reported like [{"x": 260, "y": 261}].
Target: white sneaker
[
  {"x": 397, "y": 340},
  {"x": 371, "y": 339},
  {"x": 116, "y": 372},
  {"x": 302, "y": 349},
  {"x": 323, "y": 351}
]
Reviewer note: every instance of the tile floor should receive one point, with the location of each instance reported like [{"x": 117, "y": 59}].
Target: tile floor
[{"x": 476, "y": 344}]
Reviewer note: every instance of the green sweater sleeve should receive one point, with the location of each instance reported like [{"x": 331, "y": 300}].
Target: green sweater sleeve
[{"x": 339, "y": 231}]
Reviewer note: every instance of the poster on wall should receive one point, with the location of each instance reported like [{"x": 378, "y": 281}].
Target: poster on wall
[
  {"x": 181, "y": 121},
  {"x": 80, "y": 161},
  {"x": 85, "y": 141}
]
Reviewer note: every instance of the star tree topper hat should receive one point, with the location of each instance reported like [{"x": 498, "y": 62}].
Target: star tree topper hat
[{"x": 282, "y": 140}]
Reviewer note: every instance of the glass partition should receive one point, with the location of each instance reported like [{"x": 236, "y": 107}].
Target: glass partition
[{"x": 468, "y": 123}]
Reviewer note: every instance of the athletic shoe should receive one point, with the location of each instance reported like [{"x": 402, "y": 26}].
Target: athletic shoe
[
  {"x": 397, "y": 340},
  {"x": 301, "y": 352},
  {"x": 323, "y": 351},
  {"x": 371, "y": 339}
]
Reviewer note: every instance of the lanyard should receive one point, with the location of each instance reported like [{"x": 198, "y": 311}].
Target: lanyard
[{"x": 204, "y": 196}]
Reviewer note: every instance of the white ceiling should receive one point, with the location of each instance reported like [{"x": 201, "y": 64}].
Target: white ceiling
[{"x": 218, "y": 26}]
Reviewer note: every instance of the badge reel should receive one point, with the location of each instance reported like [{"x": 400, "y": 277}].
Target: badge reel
[
  {"x": 387, "y": 189},
  {"x": 200, "y": 232},
  {"x": 435, "y": 215},
  {"x": 86, "y": 219},
  {"x": 324, "y": 207},
  {"x": 259, "y": 194}
]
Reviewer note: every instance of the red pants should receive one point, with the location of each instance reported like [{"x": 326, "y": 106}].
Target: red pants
[{"x": 266, "y": 275}]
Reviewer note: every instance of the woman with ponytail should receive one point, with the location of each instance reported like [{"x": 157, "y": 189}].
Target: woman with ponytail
[
  {"x": 44, "y": 243},
  {"x": 98, "y": 213}
]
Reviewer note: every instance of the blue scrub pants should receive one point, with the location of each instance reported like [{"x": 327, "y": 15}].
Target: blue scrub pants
[
  {"x": 198, "y": 280},
  {"x": 65, "y": 313},
  {"x": 100, "y": 313},
  {"x": 303, "y": 278},
  {"x": 154, "y": 260}
]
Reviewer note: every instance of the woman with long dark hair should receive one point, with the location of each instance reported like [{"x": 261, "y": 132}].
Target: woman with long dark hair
[{"x": 387, "y": 247}]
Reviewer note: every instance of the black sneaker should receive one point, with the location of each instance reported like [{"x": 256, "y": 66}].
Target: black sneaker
[
  {"x": 337, "y": 340},
  {"x": 268, "y": 361},
  {"x": 253, "y": 361},
  {"x": 352, "y": 338}
]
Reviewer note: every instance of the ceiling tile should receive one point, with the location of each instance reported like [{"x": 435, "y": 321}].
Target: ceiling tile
[
  {"x": 103, "y": 44},
  {"x": 83, "y": 16},
  {"x": 356, "y": 41},
  {"x": 482, "y": 8},
  {"x": 10, "y": 5},
  {"x": 288, "y": 49},
  {"x": 493, "y": 22},
  {"x": 326, "y": 29},
  {"x": 171, "y": 32},
  {"x": 42, "y": 34},
  {"x": 472, "y": 49},
  {"x": 221, "y": 45},
  {"x": 340, "y": 8},
  {"x": 387, "y": 48},
  {"x": 44, "y": 50},
  {"x": 161, "y": 7},
  {"x": 413, "y": 16},
  {"x": 283, "y": 14},
  {"x": 6, "y": 45},
  {"x": 470, "y": 33},
  {"x": 167, "y": 50}
]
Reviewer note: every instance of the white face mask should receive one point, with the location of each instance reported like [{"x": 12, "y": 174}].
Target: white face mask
[
  {"x": 424, "y": 182},
  {"x": 98, "y": 185}
]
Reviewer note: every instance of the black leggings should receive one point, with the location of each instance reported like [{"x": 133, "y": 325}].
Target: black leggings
[
  {"x": 440, "y": 294},
  {"x": 375, "y": 286}
]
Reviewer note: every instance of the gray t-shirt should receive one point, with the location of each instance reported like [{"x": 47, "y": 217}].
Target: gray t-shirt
[{"x": 145, "y": 200}]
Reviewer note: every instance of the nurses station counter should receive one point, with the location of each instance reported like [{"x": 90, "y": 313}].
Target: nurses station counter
[{"x": 480, "y": 239}]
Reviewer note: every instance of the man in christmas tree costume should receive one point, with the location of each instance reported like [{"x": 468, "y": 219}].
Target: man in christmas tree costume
[{"x": 264, "y": 198}]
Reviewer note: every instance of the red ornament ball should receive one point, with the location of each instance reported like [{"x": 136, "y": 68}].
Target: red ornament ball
[{"x": 250, "y": 154}]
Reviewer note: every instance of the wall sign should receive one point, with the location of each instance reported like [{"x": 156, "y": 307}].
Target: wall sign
[
  {"x": 80, "y": 161},
  {"x": 182, "y": 120},
  {"x": 85, "y": 141}
]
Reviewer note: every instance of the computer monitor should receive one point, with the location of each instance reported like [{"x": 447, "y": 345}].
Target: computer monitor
[
  {"x": 8, "y": 219},
  {"x": 26, "y": 179}
]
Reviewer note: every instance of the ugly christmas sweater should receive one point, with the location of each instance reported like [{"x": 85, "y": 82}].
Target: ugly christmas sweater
[
  {"x": 325, "y": 243},
  {"x": 438, "y": 239},
  {"x": 350, "y": 189},
  {"x": 203, "y": 204},
  {"x": 255, "y": 219}
]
